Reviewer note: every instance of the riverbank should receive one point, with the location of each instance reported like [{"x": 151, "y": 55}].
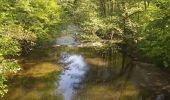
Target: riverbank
[
  {"x": 91, "y": 71},
  {"x": 71, "y": 69}
]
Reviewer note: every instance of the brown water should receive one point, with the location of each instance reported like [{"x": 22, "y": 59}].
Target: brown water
[{"x": 93, "y": 73}]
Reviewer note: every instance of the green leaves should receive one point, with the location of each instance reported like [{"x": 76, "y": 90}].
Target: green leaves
[
  {"x": 8, "y": 46},
  {"x": 17, "y": 32},
  {"x": 3, "y": 87},
  {"x": 157, "y": 37},
  {"x": 143, "y": 24},
  {"x": 9, "y": 66},
  {"x": 31, "y": 17},
  {"x": 23, "y": 23}
]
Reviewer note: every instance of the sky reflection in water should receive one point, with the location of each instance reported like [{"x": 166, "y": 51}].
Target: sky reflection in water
[{"x": 73, "y": 73}]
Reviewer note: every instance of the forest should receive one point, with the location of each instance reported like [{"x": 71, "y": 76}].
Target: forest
[{"x": 139, "y": 28}]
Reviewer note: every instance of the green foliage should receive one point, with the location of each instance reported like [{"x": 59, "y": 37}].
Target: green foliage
[
  {"x": 6, "y": 67},
  {"x": 3, "y": 87},
  {"x": 36, "y": 18},
  {"x": 17, "y": 32},
  {"x": 106, "y": 18},
  {"x": 87, "y": 37},
  {"x": 23, "y": 24},
  {"x": 157, "y": 37},
  {"x": 8, "y": 47},
  {"x": 139, "y": 23}
]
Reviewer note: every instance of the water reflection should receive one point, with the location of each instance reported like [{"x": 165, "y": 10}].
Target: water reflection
[
  {"x": 88, "y": 74},
  {"x": 72, "y": 74},
  {"x": 33, "y": 88}
]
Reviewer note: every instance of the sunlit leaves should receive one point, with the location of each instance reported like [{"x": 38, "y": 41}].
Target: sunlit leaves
[
  {"x": 17, "y": 32},
  {"x": 23, "y": 23},
  {"x": 9, "y": 66},
  {"x": 8, "y": 46},
  {"x": 30, "y": 16},
  {"x": 157, "y": 36},
  {"x": 92, "y": 25},
  {"x": 6, "y": 67},
  {"x": 3, "y": 87}
]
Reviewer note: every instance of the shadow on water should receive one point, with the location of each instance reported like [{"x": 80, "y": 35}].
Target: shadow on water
[
  {"x": 88, "y": 73},
  {"x": 111, "y": 77},
  {"x": 33, "y": 88},
  {"x": 107, "y": 80}
]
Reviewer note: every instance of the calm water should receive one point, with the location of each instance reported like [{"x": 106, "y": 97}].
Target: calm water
[
  {"x": 73, "y": 74},
  {"x": 93, "y": 73}
]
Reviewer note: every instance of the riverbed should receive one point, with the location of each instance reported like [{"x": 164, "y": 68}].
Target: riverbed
[{"x": 67, "y": 72}]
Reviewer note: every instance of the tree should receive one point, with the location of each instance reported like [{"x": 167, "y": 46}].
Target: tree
[
  {"x": 156, "y": 35},
  {"x": 23, "y": 24}
]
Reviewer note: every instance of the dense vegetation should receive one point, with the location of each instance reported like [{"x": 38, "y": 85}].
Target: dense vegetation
[
  {"x": 23, "y": 24},
  {"x": 143, "y": 25}
]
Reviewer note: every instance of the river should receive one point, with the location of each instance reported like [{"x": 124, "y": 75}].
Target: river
[{"x": 68, "y": 72}]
